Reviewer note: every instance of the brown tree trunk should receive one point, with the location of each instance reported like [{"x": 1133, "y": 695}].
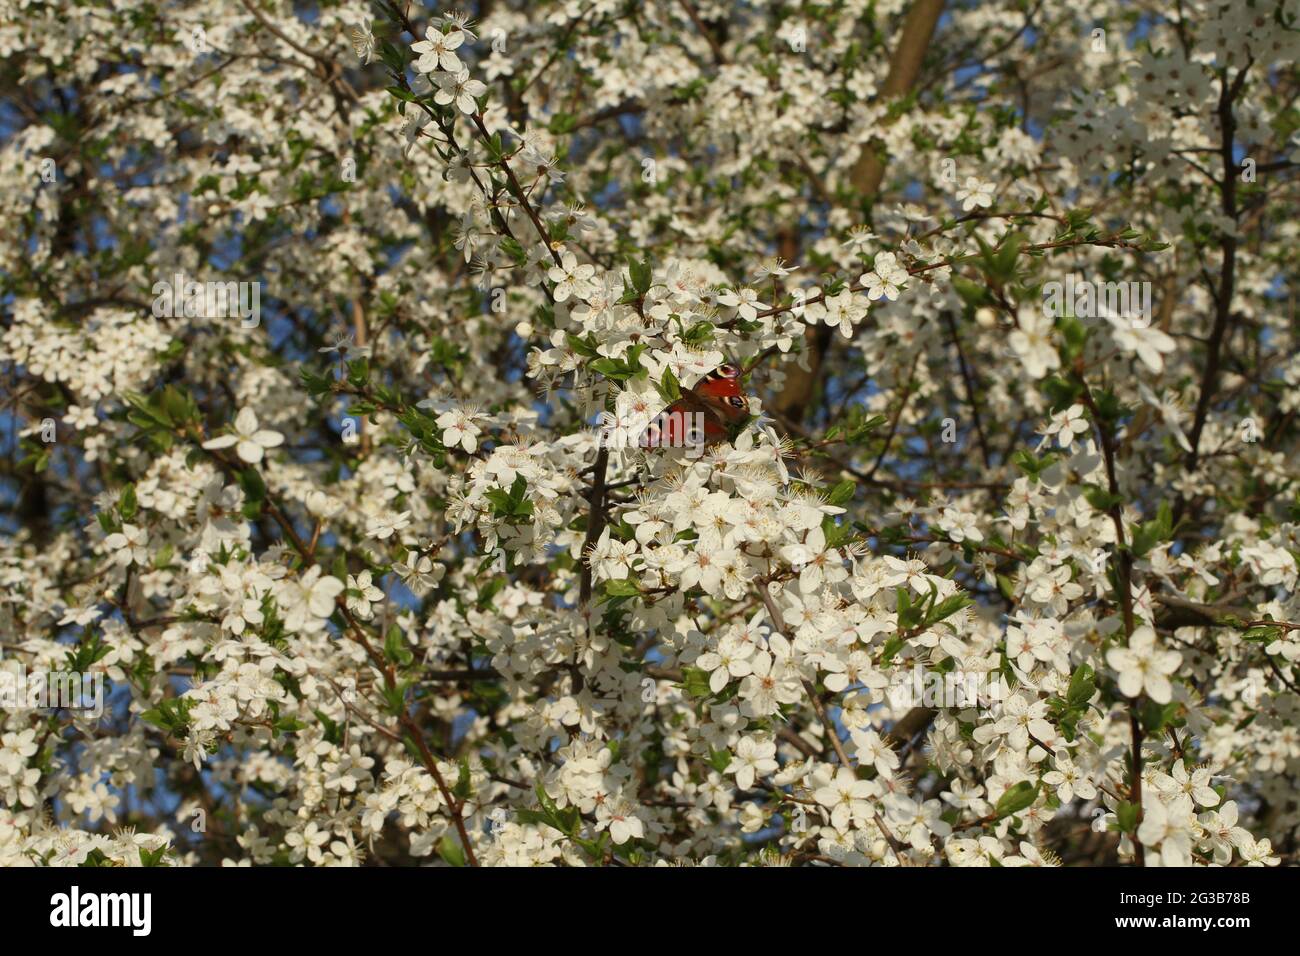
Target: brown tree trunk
[{"x": 796, "y": 397}]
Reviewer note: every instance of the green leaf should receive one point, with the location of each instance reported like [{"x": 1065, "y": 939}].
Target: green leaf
[
  {"x": 892, "y": 647},
  {"x": 392, "y": 57},
  {"x": 511, "y": 247},
  {"x": 621, "y": 587},
  {"x": 842, "y": 493},
  {"x": 1082, "y": 686},
  {"x": 1016, "y": 799},
  {"x": 333, "y": 733},
  {"x": 641, "y": 275},
  {"x": 669, "y": 387},
  {"x": 152, "y": 857},
  {"x": 720, "y": 760},
  {"x": 1109, "y": 408},
  {"x": 948, "y": 607},
  {"x": 1100, "y": 498},
  {"x": 451, "y": 851},
  {"x": 972, "y": 293},
  {"x": 462, "y": 788},
  {"x": 548, "y": 805},
  {"x": 1155, "y": 717},
  {"x": 171, "y": 715},
  {"x": 254, "y": 488},
  {"x": 695, "y": 682},
  {"x": 562, "y": 123},
  {"x": 513, "y": 503},
  {"x": 1075, "y": 335},
  {"x": 580, "y": 346},
  {"x": 699, "y": 334},
  {"x": 1061, "y": 393},
  {"x": 489, "y": 591},
  {"x": 835, "y": 534},
  {"x": 164, "y": 556},
  {"x": 909, "y": 614},
  {"x": 405, "y": 96},
  {"x": 1004, "y": 262},
  {"x": 178, "y": 405},
  {"x": 1031, "y": 464},
  {"x": 359, "y": 372},
  {"x": 127, "y": 505},
  {"x": 1151, "y": 533},
  {"x": 619, "y": 370},
  {"x": 395, "y": 647},
  {"x": 860, "y": 432},
  {"x": 518, "y": 489}
]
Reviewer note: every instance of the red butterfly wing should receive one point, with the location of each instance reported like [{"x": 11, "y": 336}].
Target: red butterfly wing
[
  {"x": 709, "y": 406},
  {"x": 722, "y": 382},
  {"x": 680, "y": 425},
  {"x": 720, "y": 390}
]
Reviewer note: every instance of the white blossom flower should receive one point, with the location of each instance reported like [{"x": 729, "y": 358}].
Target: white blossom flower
[
  {"x": 1144, "y": 666},
  {"x": 459, "y": 429},
  {"x": 974, "y": 194},
  {"x": 460, "y": 89},
  {"x": 570, "y": 278},
  {"x": 753, "y": 758},
  {"x": 130, "y": 545},
  {"x": 363, "y": 41},
  {"x": 436, "y": 53},
  {"x": 308, "y": 599},
  {"x": 362, "y": 593},
  {"x": 386, "y": 525},
  {"x": 1032, "y": 341},
  {"x": 250, "y": 441}
]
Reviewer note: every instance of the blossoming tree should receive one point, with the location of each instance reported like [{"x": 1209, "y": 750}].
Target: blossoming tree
[{"x": 319, "y": 321}]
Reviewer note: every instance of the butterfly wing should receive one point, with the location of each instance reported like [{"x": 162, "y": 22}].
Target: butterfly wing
[
  {"x": 720, "y": 390},
  {"x": 686, "y": 422},
  {"x": 712, "y": 407}
]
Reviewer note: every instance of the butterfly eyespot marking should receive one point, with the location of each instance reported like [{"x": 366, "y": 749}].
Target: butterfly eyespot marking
[
  {"x": 735, "y": 401},
  {"x": 725, "y": 371}
]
